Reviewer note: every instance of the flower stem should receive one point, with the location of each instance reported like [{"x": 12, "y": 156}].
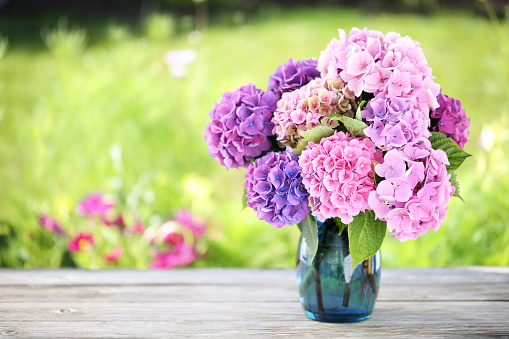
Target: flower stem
[{"x": 318, "y": 282}]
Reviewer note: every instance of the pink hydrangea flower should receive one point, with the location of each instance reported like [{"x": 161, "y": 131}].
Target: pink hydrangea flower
[
  {"x": 311, "y": 106},
  {"x": 369, "y": 61},
  {"x": 80, "y": 243},
  {"x": 415, "y": 192},
  {"x": 338, "y": 173},
  {"x": 50, "y": 224},
  {"x": 95, "y": 205}
]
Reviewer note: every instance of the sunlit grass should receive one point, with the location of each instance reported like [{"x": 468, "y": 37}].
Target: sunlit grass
[{"x": 61, "y": 116}]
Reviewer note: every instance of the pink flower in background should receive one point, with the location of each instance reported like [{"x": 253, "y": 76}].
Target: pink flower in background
[
  {"x": 138, "y": 227},
  {"x": 114, "y": 255},
  {"x": 178, "y": 60},
  {"x": 81, "y": 242},
  {"x": 186, "y": 219},
  {"x": 180, "y": 256},
  {"x": 95, "y": 205},
  {"x": 50, "y": 224},
  {"x": 118, "y": 222},
  {"x": 174, "y": 239}
]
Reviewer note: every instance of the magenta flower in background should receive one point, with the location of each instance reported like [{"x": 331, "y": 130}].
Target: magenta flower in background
[
  {"x": 416, "y": 189},
  {"x": 138, "y": 227},
  {"x": 292, "y": 75},
  {"x": 95, "y": 205},
  {"x": 81, "y": 242},
  {"x": 114, "y": 255},
  {"x": 186, "y": 219},
  {"x": 174, "y": 239},
  {"x": 178, "y": 256},
  {"x": 50, "y": 224},
  {"x": 274, "y": 189},
  {"x": 240, "y": 126},
  {"x": 118, "y": 222},
  {"x": 338, "y": 173},
  {"x": 449, "y": 118}
]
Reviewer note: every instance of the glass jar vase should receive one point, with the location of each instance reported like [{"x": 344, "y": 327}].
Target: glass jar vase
[{"x": 330, "y": 289}]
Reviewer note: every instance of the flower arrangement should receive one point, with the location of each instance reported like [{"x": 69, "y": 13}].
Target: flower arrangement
[{"x": 363, "y": 135}]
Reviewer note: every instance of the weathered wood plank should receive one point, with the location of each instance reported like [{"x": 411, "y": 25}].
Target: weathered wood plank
[
  {"x": 220, "y": 303},
  {"x": 452, "y": 275},
  {"x": 215, "y": 293},
  {"x": 400, "y": 319}
]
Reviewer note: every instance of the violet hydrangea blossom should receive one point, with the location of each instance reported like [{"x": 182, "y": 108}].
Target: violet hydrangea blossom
[
  {"x": 292, "y": 75},
  {"x": 274, "y": 189},
  {"x": 416, "y": 188},
  {"x": 372, "y": 62},
  {"x": 394, "y": 122},
  {"x": 450, "y": 119},
  {"x": 240, "y": 126},
  {"x": 311, "y": 106},
  {"x": 338, "y": 173}
]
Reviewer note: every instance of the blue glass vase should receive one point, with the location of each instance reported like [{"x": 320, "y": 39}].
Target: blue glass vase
[{"x": 330, "y": 290}]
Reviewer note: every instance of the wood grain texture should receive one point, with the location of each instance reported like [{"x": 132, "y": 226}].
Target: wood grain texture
[{"x": 224, "y": 303}]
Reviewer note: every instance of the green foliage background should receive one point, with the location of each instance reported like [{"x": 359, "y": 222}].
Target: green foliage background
[{"x": 63, "y": 108}]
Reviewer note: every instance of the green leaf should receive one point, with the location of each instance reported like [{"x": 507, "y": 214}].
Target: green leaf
[
  {"x": 359, "y": 109},
  {"x": 315, "y": 134},
  {"x": 340, "y": 225},
  {"x": 365, "y": 235},
  {"x": 244, "y": 199},
  {"x": 67, "y": 260},
  {"x": 455, "y": 154},
  {"x": 355, "y": 127},
  {"x": 309, "y": 230},
  {"x": 455, "y": 183}
]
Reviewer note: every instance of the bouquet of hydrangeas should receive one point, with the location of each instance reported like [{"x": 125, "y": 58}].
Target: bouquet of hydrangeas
[{"x": 363, "y": 135}]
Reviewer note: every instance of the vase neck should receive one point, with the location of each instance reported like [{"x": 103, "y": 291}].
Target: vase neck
[{"x": 328, "y": 234}]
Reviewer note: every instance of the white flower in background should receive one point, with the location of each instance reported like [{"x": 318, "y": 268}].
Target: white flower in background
[
  {"x": 177, "y": 61},
  {"x": 485, "y": 140}
]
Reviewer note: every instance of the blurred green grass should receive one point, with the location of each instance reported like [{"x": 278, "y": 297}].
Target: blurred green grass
[{"x": 62, "y": 110}]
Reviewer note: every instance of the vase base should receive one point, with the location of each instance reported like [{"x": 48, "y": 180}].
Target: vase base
[{"x": 338, "y": 317}]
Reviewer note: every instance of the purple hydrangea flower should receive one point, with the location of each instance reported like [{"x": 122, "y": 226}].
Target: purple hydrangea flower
[
  {"x": 240, "y": 126},
  {"x": 275, "y": 190},
  {"x": 292, "y": 75},
  {"x": 395, "y": 122},
  {"x": 449, "y": 118}
]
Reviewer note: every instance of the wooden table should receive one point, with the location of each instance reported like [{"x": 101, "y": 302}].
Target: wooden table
[{"x": 225, "y": 303}]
